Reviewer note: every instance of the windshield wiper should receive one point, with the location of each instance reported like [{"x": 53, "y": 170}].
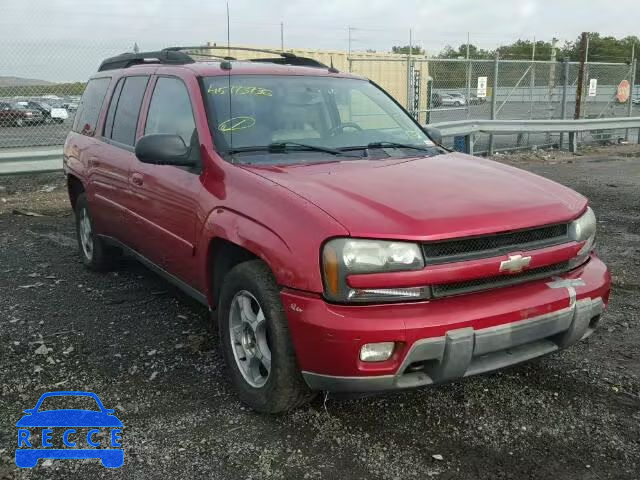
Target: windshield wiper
[
  {"x": 390, "y": 145},
  {"x": 284, "y": 147}
]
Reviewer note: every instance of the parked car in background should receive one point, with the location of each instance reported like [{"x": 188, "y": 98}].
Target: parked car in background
[
  {"x": 458, "y": 98},
  {"x": 69, "y": 105},
  {"x": 50, "y": 114},
  {"x": 447, "y": 100},
  {"x": 14, "y": 113},
  {"x": 476, "y": 100}
]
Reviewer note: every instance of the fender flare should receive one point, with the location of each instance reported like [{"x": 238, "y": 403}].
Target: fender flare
[{"x": 250, "y": 234}]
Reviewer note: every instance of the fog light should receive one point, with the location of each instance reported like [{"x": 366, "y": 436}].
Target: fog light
[{"x": 376, "y": 352}]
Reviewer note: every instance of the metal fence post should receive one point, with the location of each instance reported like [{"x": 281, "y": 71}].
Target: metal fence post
[
  {"x": 494, "y": 94},
  {"x": 630, "y": 106},
  {"x": 427, "y": 118},
  {"x": 565, "y": 87}
]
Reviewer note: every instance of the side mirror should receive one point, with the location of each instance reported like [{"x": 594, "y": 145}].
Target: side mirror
[
  {"x": 163, "y": 149},
  {"x": 434, "y": 134}
]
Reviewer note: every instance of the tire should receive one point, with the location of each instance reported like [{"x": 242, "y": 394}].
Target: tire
[
  {"x": 276, "y": 389},
  {"x": 458, "y": 104},
  {"x": 19, "y": 122},
  {"x": 96, "y": 255}
]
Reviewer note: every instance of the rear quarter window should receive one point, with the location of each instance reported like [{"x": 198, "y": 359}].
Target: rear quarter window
[{"x": 90, "y": 105}]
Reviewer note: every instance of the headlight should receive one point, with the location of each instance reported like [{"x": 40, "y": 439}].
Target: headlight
[
  {"x": 583, "y": 229},
  {"x": 345, "y": 256}
]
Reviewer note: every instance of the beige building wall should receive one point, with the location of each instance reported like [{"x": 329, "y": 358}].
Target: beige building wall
[{"x": 389, "y": 70}]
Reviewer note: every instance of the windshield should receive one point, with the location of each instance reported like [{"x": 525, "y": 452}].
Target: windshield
[{"x": 303, "y": 112}]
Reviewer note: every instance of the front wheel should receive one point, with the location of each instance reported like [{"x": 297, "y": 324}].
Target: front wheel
[
  {"x": 255, "y": 341},
  {"x": 19, "y": 122}
]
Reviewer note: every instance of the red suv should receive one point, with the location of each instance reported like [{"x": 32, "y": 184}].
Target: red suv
[{"x": 339, "y": 247}]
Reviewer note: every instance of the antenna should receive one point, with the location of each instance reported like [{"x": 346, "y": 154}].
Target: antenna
[
  {"x": 228, "y": 33},
  {"x": 229, "y": 79}
]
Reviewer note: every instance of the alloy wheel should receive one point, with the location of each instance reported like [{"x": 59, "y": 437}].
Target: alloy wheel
[
  {"x": 249, "y": 339},
  {"x": 86, "y": 234}
]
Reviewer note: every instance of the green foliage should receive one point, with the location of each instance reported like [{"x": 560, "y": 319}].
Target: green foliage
[
  {"x": 601, "y": 49},
  {"x": 461, "y": 52},
  {"x": 415, "y": 50},
  {"x": 60, "y": 89},
  {"x": 604, "y": 49}
]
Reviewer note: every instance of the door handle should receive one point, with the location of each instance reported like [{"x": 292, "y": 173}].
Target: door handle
[{"x": 136, "y": 179}]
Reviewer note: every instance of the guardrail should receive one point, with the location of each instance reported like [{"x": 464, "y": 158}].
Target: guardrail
[
  {"x": 47, "y": 159},
  {"x": 468, "y": 128},
  {"x": 30, "y": 160}
]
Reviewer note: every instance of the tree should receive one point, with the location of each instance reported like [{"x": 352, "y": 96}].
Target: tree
[
  {"x": 415, "y": 50},
  {"x": 603, "y": 49},
  {"x": 461, "y": 52}
]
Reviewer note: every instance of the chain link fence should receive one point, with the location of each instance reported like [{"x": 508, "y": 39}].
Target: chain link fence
[
  {"x": 461, "y": 89},
  {"x": 41, "y": 85}
]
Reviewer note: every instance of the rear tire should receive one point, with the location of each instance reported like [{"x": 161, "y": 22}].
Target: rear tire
[
  {"x": 255, "y": 341},
  {"x": 96, "y": 255}
]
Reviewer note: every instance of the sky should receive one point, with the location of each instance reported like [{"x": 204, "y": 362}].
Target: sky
[{"x": 65, "y": 40}]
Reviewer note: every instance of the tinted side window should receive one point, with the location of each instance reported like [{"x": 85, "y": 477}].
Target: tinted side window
[
  {"x": 170, "y": 110},
  {"x": 128, "y": 110},
  {"x": 90, "y": 106},
  {"x": 108, "y": 123}
]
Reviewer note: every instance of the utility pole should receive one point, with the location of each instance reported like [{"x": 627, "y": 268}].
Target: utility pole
[
  {"x": 410, "y": 74},
  {"x": 584, "y": 40},
  {"x": 282, "y": 36},
  {"x": 349, "y": 51},
  {"x": 468, "y": 76},
  {"x": 552, "y": 81}
]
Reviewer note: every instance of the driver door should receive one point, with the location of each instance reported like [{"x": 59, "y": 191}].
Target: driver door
[{"x": 166, "y": 196}]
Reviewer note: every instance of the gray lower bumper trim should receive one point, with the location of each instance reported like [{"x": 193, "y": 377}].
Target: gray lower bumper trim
[{"x": 466, "y": 351}]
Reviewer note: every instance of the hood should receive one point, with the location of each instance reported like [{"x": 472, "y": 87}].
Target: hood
[{"x": 445, "y": 196}]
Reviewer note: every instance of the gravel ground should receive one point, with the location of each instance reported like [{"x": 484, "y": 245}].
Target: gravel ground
[{"x": 149, "y": 352}]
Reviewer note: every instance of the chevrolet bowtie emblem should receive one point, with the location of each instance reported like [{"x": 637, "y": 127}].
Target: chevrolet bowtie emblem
[{"x": 515, "y": 263}]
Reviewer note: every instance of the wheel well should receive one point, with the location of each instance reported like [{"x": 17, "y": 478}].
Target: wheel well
[
  {"x": 75, "y": 188},
  {"x": 223, "y": 256}
]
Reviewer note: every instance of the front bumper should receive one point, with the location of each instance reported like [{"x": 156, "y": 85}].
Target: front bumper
[{"x": 445, "y": 339}]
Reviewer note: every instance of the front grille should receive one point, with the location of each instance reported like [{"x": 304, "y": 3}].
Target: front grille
[
  {"x": 494, "y": 245},
  {"x": 499, "y": 281}
]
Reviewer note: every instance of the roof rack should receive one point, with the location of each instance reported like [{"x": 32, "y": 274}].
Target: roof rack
[
  {"x": 178, "y": 56},
  {"x": 126, "y": 60}
]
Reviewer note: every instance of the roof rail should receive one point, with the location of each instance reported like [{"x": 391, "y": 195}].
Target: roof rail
[
  {"x": 178, "y": 56},
  {"x": 219, "y": 47},
  {"x": 296, "y": 61},
  {"x": 126, "y": 60},
  {"x": 285, "y": 58}
]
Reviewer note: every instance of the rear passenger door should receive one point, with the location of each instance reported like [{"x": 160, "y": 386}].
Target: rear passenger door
[
  {"x": 166, "y": 196},
  {"x": 110, "y": 166}
]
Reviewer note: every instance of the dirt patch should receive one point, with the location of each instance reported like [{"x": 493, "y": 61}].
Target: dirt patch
[{"x": 149, "y": 352}]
